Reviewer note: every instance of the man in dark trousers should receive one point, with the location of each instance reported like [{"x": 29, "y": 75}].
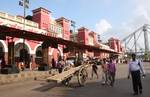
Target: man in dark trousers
[{"x": 135, "y": 67}]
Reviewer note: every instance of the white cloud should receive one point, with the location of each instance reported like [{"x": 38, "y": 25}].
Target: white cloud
[
  {"x": 103, "y": 26},
  {"x": 139, "y": 17},
  {"x": 141, "y": 13}
]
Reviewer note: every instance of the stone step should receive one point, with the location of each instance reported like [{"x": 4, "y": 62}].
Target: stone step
[{"x": 25, "y": 75}]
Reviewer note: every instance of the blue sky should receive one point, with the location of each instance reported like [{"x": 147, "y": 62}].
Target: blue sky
[
  {"x": 106, "y": 17},
  {"x": 84, "y": 12}
]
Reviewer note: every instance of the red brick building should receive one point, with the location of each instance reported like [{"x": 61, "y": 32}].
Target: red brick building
[
  {"x": 41, "y": 22},
  {"x": 115, "y": 44},
  {"x": 87, "y": 37}
]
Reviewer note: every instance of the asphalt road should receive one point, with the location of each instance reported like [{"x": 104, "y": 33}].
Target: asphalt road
[{"x": 93, "y": 88}]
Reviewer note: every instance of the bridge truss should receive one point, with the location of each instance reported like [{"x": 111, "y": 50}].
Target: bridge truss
[{"x": 138, "y": 41}]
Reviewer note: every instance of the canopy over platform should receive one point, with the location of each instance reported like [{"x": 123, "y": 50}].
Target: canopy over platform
[{"x": 13, "y": 32}]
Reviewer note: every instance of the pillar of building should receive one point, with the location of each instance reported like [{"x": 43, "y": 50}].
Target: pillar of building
[
  {"x": 6, "y": 57},
  {"x": 33, "y": 64},
  {"x": 45, "y": 51},
  {"x": 11, "y": 60},
  {"x": 50, "y": 60},
  {"x": 45, "y": 55}
]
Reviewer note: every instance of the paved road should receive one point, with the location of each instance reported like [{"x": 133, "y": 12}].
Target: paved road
[{"x": 93, "y": 88}]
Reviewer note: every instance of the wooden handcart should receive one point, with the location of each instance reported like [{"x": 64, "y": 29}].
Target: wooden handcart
[{"x": 68, "y": 72}]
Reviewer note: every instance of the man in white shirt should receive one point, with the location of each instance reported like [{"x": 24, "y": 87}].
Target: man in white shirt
[{"x": 135, "y": 67}]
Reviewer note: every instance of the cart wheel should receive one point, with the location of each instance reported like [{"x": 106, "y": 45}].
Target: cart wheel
[
  {"x": 66, "y": 81},
  {"x": 82, "y": 76}
]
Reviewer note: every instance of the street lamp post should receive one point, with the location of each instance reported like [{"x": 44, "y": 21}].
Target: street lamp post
[{"x": 25, "y": 4}]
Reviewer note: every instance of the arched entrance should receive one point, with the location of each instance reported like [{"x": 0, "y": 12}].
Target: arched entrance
[
  {"x": 38, "y": 55},
  {"x": 1, "y": 50},
  {"x": 22, "y": 54}
]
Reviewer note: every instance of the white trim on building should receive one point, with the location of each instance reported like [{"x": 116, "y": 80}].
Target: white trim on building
[
  {"x": 35, "y": 48},
  {"x": 21, "y": 41},
  {"x": 4, "y": 45}
]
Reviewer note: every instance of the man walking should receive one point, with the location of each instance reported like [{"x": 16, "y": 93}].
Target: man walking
[
  {"x": 104, "y": 72},
  {"x": 111, "y": 71},
  {"x": 94, "y": 70},
  {"x": 135, "y": 67}
]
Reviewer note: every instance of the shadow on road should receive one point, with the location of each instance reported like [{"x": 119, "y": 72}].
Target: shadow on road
[
  {"x": 122, "y": 88},
  {"x": 46, "y": 86}
]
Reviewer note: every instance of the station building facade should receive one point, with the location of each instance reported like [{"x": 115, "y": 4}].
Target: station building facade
[{"x": 41, "y": 22}]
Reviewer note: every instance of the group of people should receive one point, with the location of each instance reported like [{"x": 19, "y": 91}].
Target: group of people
[
  {"x": 60, "y": 64},
  {"x": 135, "y": 70},
  {"x": 108, "y": 71}
]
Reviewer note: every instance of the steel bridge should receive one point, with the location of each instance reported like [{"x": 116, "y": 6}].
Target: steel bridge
[{"x": 138, "y": 41}]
